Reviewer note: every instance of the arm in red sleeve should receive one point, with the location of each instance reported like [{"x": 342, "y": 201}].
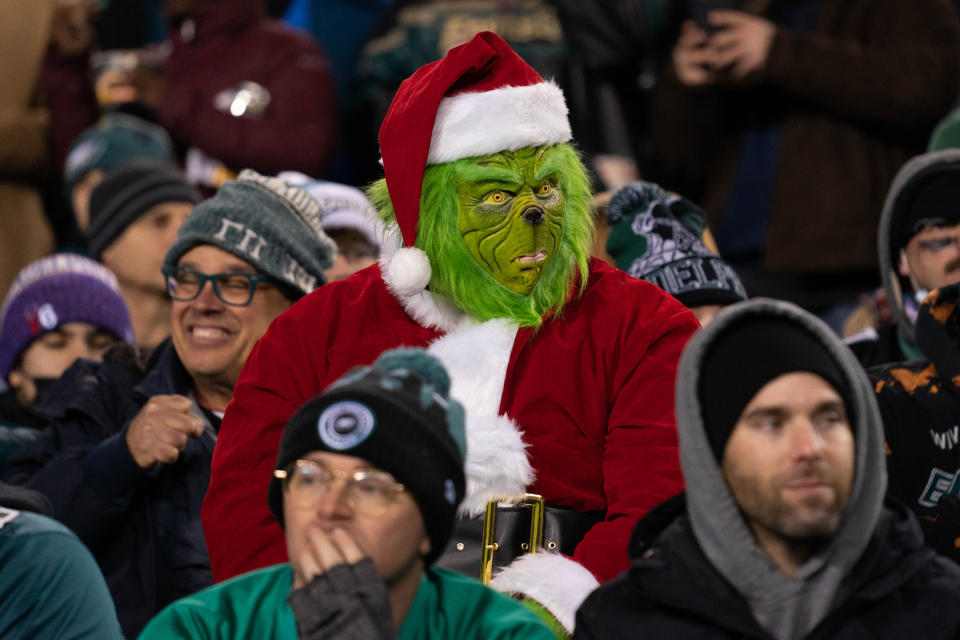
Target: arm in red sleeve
[
  {"x": 641, "y": 464},
  {"x": 240, "y": 530}
]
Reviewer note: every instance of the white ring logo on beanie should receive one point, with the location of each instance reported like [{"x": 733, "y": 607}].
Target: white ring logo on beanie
[
  {"x": 345, "y": 424},
  {"x": 47, "y": 316}
]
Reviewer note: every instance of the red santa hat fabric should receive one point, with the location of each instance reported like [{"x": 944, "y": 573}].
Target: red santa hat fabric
[{"x": 479, "y": 99}]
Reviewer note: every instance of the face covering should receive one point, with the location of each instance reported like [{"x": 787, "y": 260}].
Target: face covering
[{"x": 43, "y": 386}]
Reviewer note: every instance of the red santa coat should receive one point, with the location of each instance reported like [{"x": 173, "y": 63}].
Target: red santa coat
[{"x": 579, "y": 411}]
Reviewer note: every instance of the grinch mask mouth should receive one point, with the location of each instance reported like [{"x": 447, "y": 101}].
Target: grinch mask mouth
[{"x": 510, "y": 214}]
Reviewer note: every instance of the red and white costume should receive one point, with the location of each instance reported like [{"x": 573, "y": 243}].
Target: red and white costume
[{"x": 579, "y": 410}]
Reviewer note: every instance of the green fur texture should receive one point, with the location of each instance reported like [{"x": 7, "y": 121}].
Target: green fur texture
[{"x": 458, "y": 276}]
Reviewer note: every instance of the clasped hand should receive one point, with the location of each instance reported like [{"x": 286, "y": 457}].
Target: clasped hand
[
  {"x": 337, "y": 592},
  {"x": 739, "y": 47}
]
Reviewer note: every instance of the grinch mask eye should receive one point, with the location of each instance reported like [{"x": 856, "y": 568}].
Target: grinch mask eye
[
  {"x": 518, "y": 244},
  {"x": 496, "y": 197}
]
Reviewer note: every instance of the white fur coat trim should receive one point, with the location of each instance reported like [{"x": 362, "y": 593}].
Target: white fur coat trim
[
  {"x": 485, "y": 122},
  {"x": 476, "y": 358},
  {"x": 555, "y": 581}
]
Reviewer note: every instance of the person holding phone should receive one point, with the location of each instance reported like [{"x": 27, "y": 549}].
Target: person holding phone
[{"x": 788, "y": 122}]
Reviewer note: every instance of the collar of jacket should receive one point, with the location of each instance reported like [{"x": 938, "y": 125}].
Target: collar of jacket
[
  {"x": 669, "y": 568},
  {"x": 164, "y": 374}
]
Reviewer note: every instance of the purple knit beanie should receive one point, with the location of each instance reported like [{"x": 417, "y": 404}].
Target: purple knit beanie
[{"x": 55, "y": 290}]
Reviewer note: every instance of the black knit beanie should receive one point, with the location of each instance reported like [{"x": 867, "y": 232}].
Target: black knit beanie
[
  {"x": 128, "y": 192},
  {"x": 929, "y": 198},
  {"x": 397, "y": 415},
  {"x": 748, "y": 355}
]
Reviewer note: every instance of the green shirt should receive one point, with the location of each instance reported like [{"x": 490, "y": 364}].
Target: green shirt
[
  {"x": 254, "y": 606},
  {"x": 50, "y": 585}
]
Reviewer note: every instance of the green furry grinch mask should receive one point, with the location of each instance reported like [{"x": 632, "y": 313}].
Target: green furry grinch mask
[{"x": 508, "y": 235}]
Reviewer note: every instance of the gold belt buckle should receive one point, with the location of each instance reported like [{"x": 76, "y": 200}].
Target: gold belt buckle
[{"x": 490, "y": 545}]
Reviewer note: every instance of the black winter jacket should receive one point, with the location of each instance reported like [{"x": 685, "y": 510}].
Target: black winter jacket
[
  {"x": 142, "y": 526},
  {"x": 898, "y": 589},
  {"x": 920, "y": 405}
]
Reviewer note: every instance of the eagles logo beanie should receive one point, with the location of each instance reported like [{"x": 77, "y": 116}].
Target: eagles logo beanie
[{"x": 398, "y": 415}]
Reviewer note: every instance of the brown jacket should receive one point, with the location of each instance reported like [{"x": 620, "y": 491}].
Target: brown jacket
[
  {"x": 860, "y": 94},
  {"x": 25, "y": 233}
]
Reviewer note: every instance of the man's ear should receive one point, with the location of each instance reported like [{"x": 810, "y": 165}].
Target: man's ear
[
  {"x": 904, "y": 267},
  {"x": 15, "y": 379}
]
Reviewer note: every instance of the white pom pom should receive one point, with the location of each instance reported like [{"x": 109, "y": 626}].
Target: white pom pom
[{"x": 409, "y": 271}]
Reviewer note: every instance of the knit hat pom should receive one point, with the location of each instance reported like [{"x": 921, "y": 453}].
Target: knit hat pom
[
  {"x": 409, "y": 271},
  {"x": 418, "y": 361}
]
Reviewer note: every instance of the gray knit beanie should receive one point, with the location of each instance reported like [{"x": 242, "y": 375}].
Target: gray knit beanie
[{"x": 270, "y": 224}]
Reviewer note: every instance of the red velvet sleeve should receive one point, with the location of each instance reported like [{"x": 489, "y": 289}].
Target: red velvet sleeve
[
  {"x": 279, "y": 376},
  {"x": 640, "y": 462}
]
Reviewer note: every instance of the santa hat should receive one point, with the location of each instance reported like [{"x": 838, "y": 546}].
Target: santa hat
[{"x": 480, "y": 98}]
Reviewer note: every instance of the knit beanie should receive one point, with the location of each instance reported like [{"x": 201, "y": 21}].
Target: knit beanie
[
  {"x": 929, "y": 198},
  {"x": 272, "y": 225},
  {"x": 115, "y": 140},
  {"x": 663, "y": 238},
  {"x": 748, "y": 355},
  {"x": 128, "y": 192},
  {"x": 396, "y": 414},
  {"x": 55, "y": 290},
  {"x": 343, "y": 206}
]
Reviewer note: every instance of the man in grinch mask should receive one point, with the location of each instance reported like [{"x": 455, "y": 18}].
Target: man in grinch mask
[{"x": 565, "y": 365}]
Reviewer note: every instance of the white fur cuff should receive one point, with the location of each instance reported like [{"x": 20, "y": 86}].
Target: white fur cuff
[{"x": 555, "y": 581}]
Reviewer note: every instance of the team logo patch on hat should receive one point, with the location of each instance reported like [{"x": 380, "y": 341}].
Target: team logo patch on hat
[
  {"x": 47, "y": 317},
  {"x": 345, "y": 424}
]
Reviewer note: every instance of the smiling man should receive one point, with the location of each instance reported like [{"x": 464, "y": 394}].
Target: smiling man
[
  {"x": 783, "y": 531},
  {"x": 565, "y": 365},
  {"x": 127, "y": 465}
]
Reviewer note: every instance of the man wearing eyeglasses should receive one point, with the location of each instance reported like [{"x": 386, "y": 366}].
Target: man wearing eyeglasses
[
  {"x": 919, "y": 251},
  {"x": 367, "y": 482},
  {"x": 919, "y": 395},
  {"x": 127, "y": 464}
]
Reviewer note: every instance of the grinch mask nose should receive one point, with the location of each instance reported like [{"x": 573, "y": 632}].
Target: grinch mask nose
[{"x": 532, "y": 214}]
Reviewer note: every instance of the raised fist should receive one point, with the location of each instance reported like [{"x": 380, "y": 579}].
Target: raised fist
[{"x": 161, "y": 430}]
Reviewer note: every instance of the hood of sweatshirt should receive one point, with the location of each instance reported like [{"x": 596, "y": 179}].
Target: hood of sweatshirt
[
  {"x": 902, "y": 298},
  {"x": 787, "y": 607}
]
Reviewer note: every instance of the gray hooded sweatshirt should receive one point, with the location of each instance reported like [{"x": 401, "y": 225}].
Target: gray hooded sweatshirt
[
  {"x": 787, "y": 607},
  {"x": 887, "y": 244}
]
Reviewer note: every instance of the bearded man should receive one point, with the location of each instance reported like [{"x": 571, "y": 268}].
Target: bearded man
[{"x": 565, "y": 366}]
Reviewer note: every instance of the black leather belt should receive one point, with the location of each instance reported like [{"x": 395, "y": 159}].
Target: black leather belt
[{"x": 563, "y": 529}]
